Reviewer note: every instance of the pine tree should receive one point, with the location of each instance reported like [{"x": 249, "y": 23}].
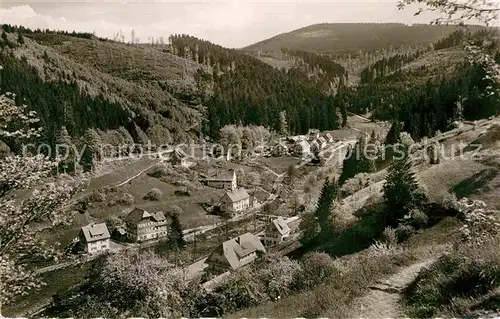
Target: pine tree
[
  {"x": 64, "y": 148},
  {"x": 175, "y": 235},
  {"x": 400, "y": 190},
  {"x": 349, "y": 165},
  {"x": 5, "y": 40},
  {"x": 309, "y": 228},
  {"x": 138, "y": 135},
  {"x": 91, "y": 153},
  {"x": 343, "y": 112},
  {"x": 356, "y": 161},
  {"x": 392, "y": 138},
  {"x": 20, "y": 38},
  {"x": 283, "y": 124},
  {"x": 327, "y": 196},
  {"x": 366, "y": 164}
]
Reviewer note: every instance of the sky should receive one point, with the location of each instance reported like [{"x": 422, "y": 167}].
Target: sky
[{"x": 233, "y": 24}]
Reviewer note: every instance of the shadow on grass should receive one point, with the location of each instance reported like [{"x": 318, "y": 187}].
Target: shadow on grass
[
  {"x": 369, "y": 226},
  {"x": 359, "y": 236},
  {"x": 472, "y": 185}
]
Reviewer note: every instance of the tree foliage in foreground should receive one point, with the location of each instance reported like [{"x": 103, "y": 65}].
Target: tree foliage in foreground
[
  {"x": 43, "y": 202},
  {"x": 456, "y": 11}
]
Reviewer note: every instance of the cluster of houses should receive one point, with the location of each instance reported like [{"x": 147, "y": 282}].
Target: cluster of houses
[
  {"x": 140, "y": 226},
  {"x": 235, "y": 200},
  {"x": 302, "y": 145},
  {"x": 230, "y": 255},
  {"x": 244, "y": 249}
]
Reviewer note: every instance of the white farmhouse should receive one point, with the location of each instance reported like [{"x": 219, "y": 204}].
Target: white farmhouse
[
  {"x": 142, "y": 225},
  {"x": 236, "y": 201},
  {"x": 235, "y": 253},
  {"x": 302, "y": 149},
  {"x": 225, "y": 180},
  {"x": 318, "y": 144},
  {"x": 276, "y": 232},
  {"x": 279, "y": 149},
  {"x": 95, "y": 238}
]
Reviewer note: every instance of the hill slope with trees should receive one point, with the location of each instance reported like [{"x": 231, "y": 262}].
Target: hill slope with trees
[{"x": 352, "y": 37}]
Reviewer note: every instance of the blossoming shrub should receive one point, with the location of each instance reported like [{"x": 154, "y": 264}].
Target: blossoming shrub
[{"x": 472, "y": 269}]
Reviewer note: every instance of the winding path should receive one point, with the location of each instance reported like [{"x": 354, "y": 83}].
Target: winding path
[{"x": 383, "y": 298}]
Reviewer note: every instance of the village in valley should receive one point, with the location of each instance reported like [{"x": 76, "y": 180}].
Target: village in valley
[
  {"x": 245, "y": 201},
  {"x": 338, "y": 170}
]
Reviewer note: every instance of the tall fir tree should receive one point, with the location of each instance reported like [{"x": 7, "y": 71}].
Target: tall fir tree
[
  {"x": 283, "y": 124},
  {"x": 91, "y": 154},
  {"x": 400, "y": 190},
  {"x": 392, "y": 139},
  {"x": 349, "y": 165},
  {"x": 366, "y": 163},
  {"x": 5, "y": 40},
  {"x": 309, "y": 228},
  {"x": 327, "y": 196},
  {"x": 20, "y": 38},
  {"x": 175, "y": 235},
  {"x": 357, "y": 161},
  {"x": 64, "y": 149}
]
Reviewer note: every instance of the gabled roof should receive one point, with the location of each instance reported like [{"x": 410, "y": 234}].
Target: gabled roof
[
  {"x": 293, "y": 222},
  {"x": 178, "y": 153},
  {"x": 321, "y": 139},
  {"x": 159, "y": 217},
  {"x": 237, "y": 194},
  {"x": 139, "y": 214},
  {"x": 303, "y": 144},
  {"x": 95, "y": 232},
  {"x": 261, "y": 194},
  {"x": 223, "y": 177},
  {"x": 280, "y": 225},
  {"x": 280, "y": 144},
  {"x": 236, "y": 248}
]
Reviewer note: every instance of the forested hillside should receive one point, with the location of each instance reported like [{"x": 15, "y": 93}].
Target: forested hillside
[
  {"x": 248, "y": 91},
  {"x": 188, "y": 87},
  {"x": 122, "y": 90},
  {"x": 352, "y": 37},
  {"x": 428, "y": 91}
]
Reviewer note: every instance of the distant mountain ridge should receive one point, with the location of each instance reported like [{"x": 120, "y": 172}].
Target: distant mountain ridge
[{"x": 349, "y": 37}]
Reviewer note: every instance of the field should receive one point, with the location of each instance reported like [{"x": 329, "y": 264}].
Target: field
[
  {"x": 279, "y": 164},
  {"x": 357, "y": 125}
]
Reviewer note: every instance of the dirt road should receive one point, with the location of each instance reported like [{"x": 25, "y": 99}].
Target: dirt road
[{"x": 383, "y": 298}]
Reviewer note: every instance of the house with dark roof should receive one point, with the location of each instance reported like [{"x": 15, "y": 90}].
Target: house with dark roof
[
  {"x": 302, "y": 149},
  {"x": 318, "y": 144},
  {"x": 313, "y": 134},
  {"x": 328, "y": 138},
  {"x": 258, "y": 196},
  {"x": 95, "y": 238},
  {"x": 279, "y": 149},
  {"x": 235, "y": 253},
  {"x": 224, "y": 180},
  {"x": 277, "y": 231},
  {"x": 179, "y": 157},
  {"x": 235, "y": 202},
  {"x": 142, "y": 225}
]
